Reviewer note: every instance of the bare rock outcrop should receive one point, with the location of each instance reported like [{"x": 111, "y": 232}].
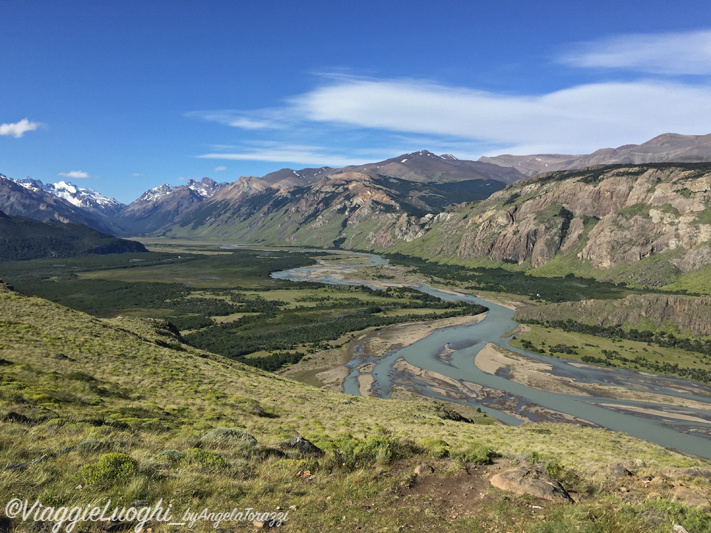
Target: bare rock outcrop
[
  {"x": 526, "y": 480},
  {"x": 599, "y": 216}
]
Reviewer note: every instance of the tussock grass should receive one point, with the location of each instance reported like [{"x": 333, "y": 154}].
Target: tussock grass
[{"x": 123, "y": 416}]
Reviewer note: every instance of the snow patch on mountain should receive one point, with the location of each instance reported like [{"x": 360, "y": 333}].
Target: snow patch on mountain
[
  {"x": 151, "y": 195},
  {"x": 84, "y": 197},
  {"x": 205, "y": 188}
]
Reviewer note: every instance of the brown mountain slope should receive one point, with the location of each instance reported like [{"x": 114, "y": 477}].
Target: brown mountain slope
[
  {"x": 349, "y": 209},
  {"x": 424, "y": 166},
  {"x": 667, "y": 147}
]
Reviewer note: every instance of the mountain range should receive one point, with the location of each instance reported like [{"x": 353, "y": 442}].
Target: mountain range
[
  {"x": 428, "y": 176},
  {"x": 594, "y": 215},
  {"x": 61, "y": 202},
  {"x": 663, "y": 148}
]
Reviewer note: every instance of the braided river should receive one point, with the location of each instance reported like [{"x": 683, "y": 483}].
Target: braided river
[{"x": 673, "y": 413}]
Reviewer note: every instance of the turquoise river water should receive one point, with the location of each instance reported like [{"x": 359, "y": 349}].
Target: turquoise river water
[{"x": 682, "y": 428}]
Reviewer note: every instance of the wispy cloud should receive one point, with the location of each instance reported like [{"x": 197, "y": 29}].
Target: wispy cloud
[
  {"x": 578, "y": 118},
  {"x": 18, "y": 129},
  {"x": 571, "y": 120},
  {"x": 344, "y": 110},
  {"x": 662, "y": 53},
  {"x": 300, "y": 155},
  {"x": 264, "y": 119},
  {"x": 220, "y": 168},
  {"x": 75, "y": 175}
]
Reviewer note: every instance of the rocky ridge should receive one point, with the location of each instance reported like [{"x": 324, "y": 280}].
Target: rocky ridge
[
  {"x": 663, "y": 148},
  {"x": 598, "y": 218},
  {"x": 349, "y": 209},
  {"x": 679, "y": 312}
]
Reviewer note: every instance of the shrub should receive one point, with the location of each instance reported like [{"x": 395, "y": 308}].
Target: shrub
[
  {"x": 353, "y": 453},
  {"x": 203, "y": 458},
  {"x": 477, "y": 453},
  {"x": 534, "y": 457},
  {"x": 555, "y": 469},
  {"x": 229, "y": 437},
  {"x": 436, "y": 448},
  {"x": 110, "y": 468},
  {"x": 174, "y": 457}
]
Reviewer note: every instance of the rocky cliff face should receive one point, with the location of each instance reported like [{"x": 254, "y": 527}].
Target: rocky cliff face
[
  {"x": 685, "y": 314},
  {"x": 600, "y": 217}
]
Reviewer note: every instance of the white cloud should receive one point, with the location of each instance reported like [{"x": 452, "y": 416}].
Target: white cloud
[
  {"x": 301, "y": 155},
  {"x": 75, "y": 175},
  {"x": 264, "y": 119},
  {"x": 18, "y": 129},
  {"x": 580, "y": 118},
  {"x": 374, "y": 112},
  {"x": 220, "y": 168},
  {"x": 662, "y": 53}
]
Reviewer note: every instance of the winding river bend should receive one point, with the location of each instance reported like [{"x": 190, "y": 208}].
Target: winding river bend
[{"x": 450, "y": 353}]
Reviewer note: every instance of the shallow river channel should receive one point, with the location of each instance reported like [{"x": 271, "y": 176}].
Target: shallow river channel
[{"x": 450, "y": 353}]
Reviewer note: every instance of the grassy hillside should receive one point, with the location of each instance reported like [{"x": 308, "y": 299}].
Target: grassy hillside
[{"x": 95, "y": 409}]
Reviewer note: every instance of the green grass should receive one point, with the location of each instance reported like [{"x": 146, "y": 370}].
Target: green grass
[
  {"x": 697, "y": 282},
  {"x": 139, "y": 415},
  {"x": 551, "y": 341},
  {"x": 152, "y": 421},
  {"x": 229, "y": 304}
]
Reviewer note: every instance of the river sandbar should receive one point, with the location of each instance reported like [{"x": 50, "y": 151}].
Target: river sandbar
[{"x": 538, "y": 375}]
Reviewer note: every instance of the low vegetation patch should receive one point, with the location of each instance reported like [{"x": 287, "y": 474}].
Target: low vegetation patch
[
  {"x": 111, "y": 468},
  {"x": 615, "y": 347}
]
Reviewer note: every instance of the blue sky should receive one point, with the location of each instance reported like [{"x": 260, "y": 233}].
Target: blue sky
[{"x": 123, "y": 95}]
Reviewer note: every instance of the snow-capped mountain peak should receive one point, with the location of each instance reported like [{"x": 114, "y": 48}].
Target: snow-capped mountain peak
[
  {"x": 206, "y": 187},
  {"x": 29, "y": 183},
  {"x": 84, "y": 197},
  {"x": 151, "y": 195}
]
